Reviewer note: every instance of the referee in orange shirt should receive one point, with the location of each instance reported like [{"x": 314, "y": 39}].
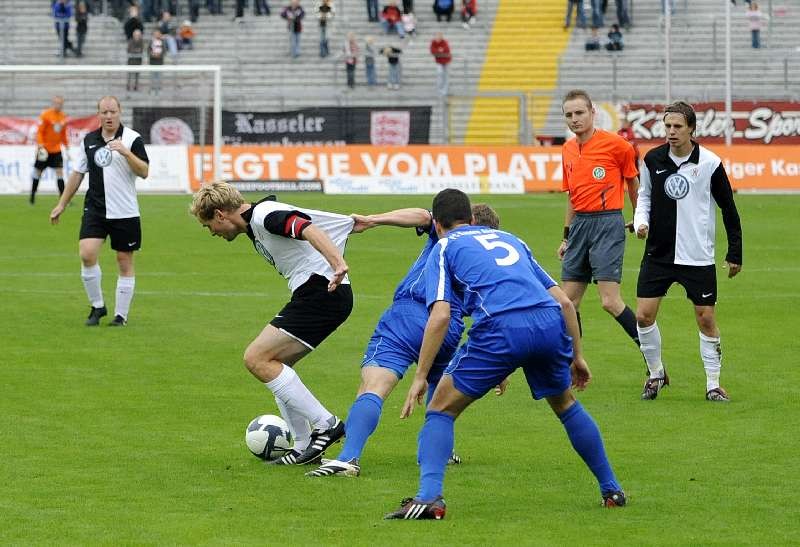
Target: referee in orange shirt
[
  {"x": 51, "y": 135},
  {"x": 597, "y": 168}
]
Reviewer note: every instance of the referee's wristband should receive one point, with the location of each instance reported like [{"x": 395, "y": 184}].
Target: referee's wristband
[{"x": 566, "y": 232}]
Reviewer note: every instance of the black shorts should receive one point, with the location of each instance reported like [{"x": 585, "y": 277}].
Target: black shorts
[
  {"x": 313, "y": 313},
  {"x": 125, "y": 233},
  {"x": 53, "y": 160},
  {"x": 700, "y": 282}
]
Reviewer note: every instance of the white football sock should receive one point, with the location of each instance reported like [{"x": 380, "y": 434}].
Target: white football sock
[
  {"x": 91, "y": 277},
  {"x": 711, "y": 354},
  {"x": 298, "y": 399},
  {"x": 650, "y": 344},
  {"x": 125, "y": 287},
  {"x": 298, "y": 425}
]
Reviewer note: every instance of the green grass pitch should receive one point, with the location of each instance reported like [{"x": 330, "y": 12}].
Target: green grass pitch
[{"x": 135, "y": 435}]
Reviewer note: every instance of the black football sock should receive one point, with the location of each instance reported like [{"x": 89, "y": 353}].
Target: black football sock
[
  {"x": 34, "y": 187},
  {"x": 628, "y": 321},
  {"x": 60, "y": 183}
]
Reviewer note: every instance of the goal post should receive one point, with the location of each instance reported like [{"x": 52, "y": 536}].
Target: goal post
[{"x": 193, "y": 92}]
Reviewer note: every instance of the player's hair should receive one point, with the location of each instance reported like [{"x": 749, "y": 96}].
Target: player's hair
[
  {"x": 215, "y": 195},
  {"x": 450, "y": 207},
  {"x": 484, "y": 215},
  {"x": 578, "y": 94},
  {"x": 112, "y": 97},
  {"x": 685, "y": 109}
]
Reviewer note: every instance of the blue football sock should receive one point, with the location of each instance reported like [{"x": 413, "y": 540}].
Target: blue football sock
[
  {"x": 361, "y": 422},
  {"x": 588, "y": 443},
  {"x": 435, "y": 447}
]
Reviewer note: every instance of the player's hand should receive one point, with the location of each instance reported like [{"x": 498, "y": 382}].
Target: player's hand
[
  {"x": 562, "y": 249},
  {"x": 117, "y": 146},
  {"x": 501, "y": 388},
  {"x": 581, "y": 376},
  {"x": 338, "y": 277},
  {"x": 733, "y": 269},
  {"x": 362, "y": 223},
  {"x": 55, "y": 213},
  {"x": 416, "y": 393},
  {"x": 629, "y": 226},
  {"x": 642, "y": 231}
]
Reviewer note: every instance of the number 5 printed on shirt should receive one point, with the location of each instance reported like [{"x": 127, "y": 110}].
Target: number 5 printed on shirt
[{"x": 487, "y": 241}]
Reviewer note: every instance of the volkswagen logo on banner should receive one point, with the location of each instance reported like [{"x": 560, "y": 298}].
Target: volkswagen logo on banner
[
  {"x": 676, "y": 186},
  {"x": 102, "y": 157}
]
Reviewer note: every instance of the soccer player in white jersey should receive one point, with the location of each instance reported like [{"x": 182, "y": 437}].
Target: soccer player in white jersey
[
  {"x": 113, "y": 156},
  {"x": 680, "y": 183},
  {"x": 306, "y": 247}
]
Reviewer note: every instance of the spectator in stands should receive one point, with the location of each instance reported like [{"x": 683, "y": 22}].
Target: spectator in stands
[
  {"x": 597, "y": 13},
  {"x": 214, "y": 7},
  {"x": 325, "y": 12},
  {"x": 369, "y": 61},
  {"x": 350, "y": 58},
  {"x": 392, "y": 18},
  {"x": 623, "y": 19},
  {"x": 469, "y": 10},
  {"x": 372, "y": 11},
  {"x": 580, "y": 17},
  {"x": 664, "y": 4},
  {"x": 155, "y": 54},
  {"x": 440, "y": 50},
  {"x": 408, "y": 6},
  {"x": 168, "y": 32},
  {"x": 755, "y": 18},
  {"x": 194, "y": 10},
  {"x": 615, "y": 42},
  {"x": 133, "y": 22},
  {"x": 443, "y": 8},
  {"x": 393, "y": 56},
  {"x": 81, "y": 26},
  {"x": 135, "y": 55},
  {"x": 62, "y": 13},
  {"x": 593, "y": 41},
  {"x": 186, "y": 35},
  {"x": 294, "y": 14},
  {"x": 261, "y": 7},
  {"x": 409, "y": 21}
]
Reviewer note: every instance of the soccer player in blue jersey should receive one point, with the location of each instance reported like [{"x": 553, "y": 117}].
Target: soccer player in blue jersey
[
  {"x": 521, "y": 318},
  {"x": 394, "y": 346}
]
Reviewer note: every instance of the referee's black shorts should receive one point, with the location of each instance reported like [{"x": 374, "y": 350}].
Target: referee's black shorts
[
  {"x": 313, "y": 313},
  {"x": 125, "y": 233},
  {"x": 700, "y": 282}
]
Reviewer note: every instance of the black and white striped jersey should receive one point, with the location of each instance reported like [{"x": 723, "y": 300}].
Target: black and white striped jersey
[
  {"x": 112, "y": 182},
  {"x": 675, "y": 201},
  {"x": 276, "y": 231}
]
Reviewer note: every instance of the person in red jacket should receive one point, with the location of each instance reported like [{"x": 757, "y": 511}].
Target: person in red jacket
[
  {"x": 440, "y": 50},
  {"x": 469, "y": 9},
  {"x": 391, "y": 16}
]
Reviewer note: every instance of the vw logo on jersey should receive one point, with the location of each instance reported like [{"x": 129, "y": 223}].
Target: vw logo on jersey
[
  {"x": 264, "y": 252},
  {"x": 102, "y": 157},
  {"x": 599, "y": 173},
  {"x": 676, "y": 186}
]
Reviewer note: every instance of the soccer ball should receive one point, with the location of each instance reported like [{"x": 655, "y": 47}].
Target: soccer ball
[
  {"x": 268, "y": 437},
  {"x": 41, "y": 154}
]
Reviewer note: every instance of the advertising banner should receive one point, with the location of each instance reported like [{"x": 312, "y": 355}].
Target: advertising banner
[
  {"x": 173, "y": 125},
  {"x": 23, "y": 130},
  {"x": 168, "y": 170},
  {"x": 764, "y": 122},
  {"x": 329, "y": 126}
]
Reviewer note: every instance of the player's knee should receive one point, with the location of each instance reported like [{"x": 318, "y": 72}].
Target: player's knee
[
  {"x": 611, "y": 303},
  {"x": 706, "y": 322},
  {"x": 645, "y": 318}
]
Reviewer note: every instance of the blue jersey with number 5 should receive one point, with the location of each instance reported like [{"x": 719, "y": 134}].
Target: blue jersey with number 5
[{"x": 488, "y": 272}]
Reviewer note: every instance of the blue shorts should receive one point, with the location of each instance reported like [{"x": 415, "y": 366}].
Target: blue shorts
[
  {"x": 397, "y": 339},
  {"x": 536, "y": 340}
]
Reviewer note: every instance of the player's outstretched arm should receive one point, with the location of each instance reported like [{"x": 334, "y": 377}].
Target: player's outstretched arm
[
  {"x": 580, "y": 370},
  {"x": 435, "y": 331},
  {"x": 73, "y": 183},
  {"x": 404, "y": 218},
  {"x": 322, "y": 243}
]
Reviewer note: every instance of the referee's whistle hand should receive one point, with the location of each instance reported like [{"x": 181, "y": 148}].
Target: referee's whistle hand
[{"x": 562, "y": 249}]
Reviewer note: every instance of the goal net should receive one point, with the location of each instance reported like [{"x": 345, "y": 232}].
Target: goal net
[{"x": 176, "y": 109}]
